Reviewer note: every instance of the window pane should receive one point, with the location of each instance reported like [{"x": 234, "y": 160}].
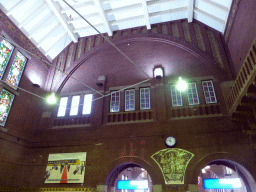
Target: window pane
[
  {"x": 62, "y": 107},
  {"x": 6, "y": 99},
  {"x": 192, "y": 94},
  {"x": 16, "y": 70},
  {"x": 87, "y": 104},
  {"x": 176, "y": 96},
  {"x": 5, "y": 53},
  {"x": 114, "y": 102},
  {"x": 144, "y": 98},
  {"x": 74, "y": 105},
  {"x": 129, "y": 100},
  {"x": 209, "y": 92}
]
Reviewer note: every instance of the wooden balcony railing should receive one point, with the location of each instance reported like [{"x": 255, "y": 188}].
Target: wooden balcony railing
[
  {"x": 196, "y": 111},
  {"x": 72, "y": 121},
  {"x": 133, "y": 116},
  {"x": 243, "y": 78}
]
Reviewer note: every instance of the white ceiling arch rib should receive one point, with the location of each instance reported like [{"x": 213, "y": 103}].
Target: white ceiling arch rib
[{"x": 61, "y": 22}]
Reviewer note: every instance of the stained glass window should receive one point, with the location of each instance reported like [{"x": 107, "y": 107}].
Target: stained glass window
[
  {"x": 6, "y": 99},
  {"x": 144, "y": 98},
  {"x": 5, "y": 54},
  {"x": 16, "y": 70}
]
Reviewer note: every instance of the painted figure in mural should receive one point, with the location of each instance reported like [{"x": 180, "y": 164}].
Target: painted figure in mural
[
  {"x": 47, "y": 175},
  {"x": 76, "y": 170},
  {"x": 62, "y": 167},
  {"x": 68, "y": 167},
  {"x": 55, "y": 166},
  {"x": 4, "y": 103}
]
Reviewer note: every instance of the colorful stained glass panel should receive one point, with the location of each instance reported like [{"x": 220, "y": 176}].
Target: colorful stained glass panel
[
  {"x": 6, "y": 99},
  {"x": 16, "y": 70},
  {"x": 5, "y": 54}
]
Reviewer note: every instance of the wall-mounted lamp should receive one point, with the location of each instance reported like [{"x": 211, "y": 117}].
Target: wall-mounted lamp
[
  {"x": 36, "y": 85},
  {"x": 158, "y": 72},
  {"x": 101, "y": 80}
]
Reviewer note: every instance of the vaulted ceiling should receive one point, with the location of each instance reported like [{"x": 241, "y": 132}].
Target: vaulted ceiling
[{"x": 51, "y": 24}]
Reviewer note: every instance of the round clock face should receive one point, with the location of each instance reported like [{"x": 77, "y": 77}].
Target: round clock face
[{"x": 170, "y": 141}]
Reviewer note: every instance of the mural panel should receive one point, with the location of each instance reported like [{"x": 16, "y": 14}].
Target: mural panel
[
  {"x": 173, "y": 164},
  {"x": 6, "y": 99},
  {"x": 6, "y": 50},
  {"x": 16, "y": 70},
  {"x": 65, "y": 168}
]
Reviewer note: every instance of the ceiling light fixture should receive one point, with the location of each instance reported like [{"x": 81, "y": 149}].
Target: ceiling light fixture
[
  {"x": 181, "y": 85},
  {"x": 52, "y": 99}
]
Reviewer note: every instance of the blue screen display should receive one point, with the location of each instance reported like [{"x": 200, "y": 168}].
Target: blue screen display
[
  {"x": 132, "y": 184},
  {"x": 228, "y": 183}
]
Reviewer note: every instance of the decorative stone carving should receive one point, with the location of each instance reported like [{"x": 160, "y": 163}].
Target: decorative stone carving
[{"x": 173, "y": 164}]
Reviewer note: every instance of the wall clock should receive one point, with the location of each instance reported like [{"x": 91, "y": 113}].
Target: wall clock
[{"x": 170, "y": 141}]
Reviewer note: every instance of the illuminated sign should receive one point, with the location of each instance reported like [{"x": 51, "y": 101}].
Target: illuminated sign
[
  {"x": 132, "y": 184},
  {"x": 228, "y": 183}
]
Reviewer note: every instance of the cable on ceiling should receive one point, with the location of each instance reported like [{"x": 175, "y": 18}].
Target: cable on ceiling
[
  {"x": 108, "y": 40},
  {"x": 52, "y": 65}
]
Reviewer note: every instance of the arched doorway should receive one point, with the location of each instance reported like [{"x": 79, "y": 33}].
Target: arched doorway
[
  {"x": 128, "y": 172},
  {"x": 228, "y": 171}
]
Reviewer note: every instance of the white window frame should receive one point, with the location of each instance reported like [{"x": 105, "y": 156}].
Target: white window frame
[
  {"x": 129, "y": 101},
  {"x": 142, "y": 97},
  {"x": 74, "y": 108},
  {"x": 87, "y": 105},
  {"x": 192, "y": 101},
  {"x": 62, "y": 107},
  {"x": 174, "y": 96},
  {"x": 208, "y": 93},
  {"x": 113, "y": 101}
]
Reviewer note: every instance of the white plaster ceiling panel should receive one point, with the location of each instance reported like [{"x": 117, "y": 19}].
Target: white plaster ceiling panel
[
  {"x": 215, "y": 11},
  {"x": 52, "y": 24}
]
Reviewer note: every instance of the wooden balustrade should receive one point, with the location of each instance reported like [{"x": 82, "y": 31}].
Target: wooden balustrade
[
  {"x": 195, "y": 111},
  {"x": 132, "y": 116},
  {"x": 245, "y": 75},
  {"x": 72, "y": 121}
]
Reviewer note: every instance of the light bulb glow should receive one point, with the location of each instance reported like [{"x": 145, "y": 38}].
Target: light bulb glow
[
  {"x": 158, "y": 72},
  {"x": 181, "y": 85},
  {"x": 51, "y": 99}
]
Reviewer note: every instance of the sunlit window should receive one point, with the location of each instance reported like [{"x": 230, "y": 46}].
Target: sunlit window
[
  {"x": 115, "y": 102},
  {"x": 74, "y": 105},
  {"x": 129, "y": 100},
  {"x": 144, "y": 98},
  {"x": 209, "y": 92},
  {"x": 176, "y": 96},
  {"x": 62, "y": 107},
  {"x": 87, "y": 104},
  {"x": 192, "y": 94}
]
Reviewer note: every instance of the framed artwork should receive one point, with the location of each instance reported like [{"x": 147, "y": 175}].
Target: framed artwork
[
  {"x": 6, "y": 99},
  {"x": 16, "y": 70},
  {"x": 65, "y": 168},
  {"x": 6, "y": 50}
]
